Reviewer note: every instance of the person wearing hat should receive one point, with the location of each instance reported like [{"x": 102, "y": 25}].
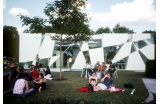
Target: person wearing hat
[{"x": 40, "y": 83}]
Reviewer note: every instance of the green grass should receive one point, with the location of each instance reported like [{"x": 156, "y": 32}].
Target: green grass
[{"x": 66, "y": 91}]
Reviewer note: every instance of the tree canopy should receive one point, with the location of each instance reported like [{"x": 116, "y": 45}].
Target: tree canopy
[
  {"x": 103, "y": 30},
  {"x": 63, "y": 17},
  {"x": 116, "y": 29},
  {"x": 122, "y": 29},
  {"x": 10, "y": 42},
  {"x": 149, "y": 31}
]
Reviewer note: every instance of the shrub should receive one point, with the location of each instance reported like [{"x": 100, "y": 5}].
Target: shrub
[{"x": 150, "y": 71}]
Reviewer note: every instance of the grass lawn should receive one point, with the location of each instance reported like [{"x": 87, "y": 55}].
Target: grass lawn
[{"x": 66, "y": 91}]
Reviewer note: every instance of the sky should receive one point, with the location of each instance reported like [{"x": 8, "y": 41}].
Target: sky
[{"x": 139, "y": 15}]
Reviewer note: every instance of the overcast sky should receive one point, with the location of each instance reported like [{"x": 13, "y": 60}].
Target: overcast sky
[{"x": 139, "y": 15}]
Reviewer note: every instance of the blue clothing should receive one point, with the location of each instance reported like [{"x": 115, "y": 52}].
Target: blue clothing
[
  {"x": 25, "y": 93},
  {"x": 107, "y": 82}
]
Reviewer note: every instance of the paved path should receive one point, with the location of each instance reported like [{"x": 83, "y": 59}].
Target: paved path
[{"x": 151, "y": 86}]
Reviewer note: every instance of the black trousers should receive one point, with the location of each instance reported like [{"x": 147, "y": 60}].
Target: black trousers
[{"x": 43, "y": 85}]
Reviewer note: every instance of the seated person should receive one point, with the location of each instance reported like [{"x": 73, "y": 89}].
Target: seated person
[
  {"x": 47, "y": 73},
  {"x": 34, "y": 74},
  {"x": 102, "y": 67},
  {"x": 14, "y": 76},
  {"x": 96, "y": 66},
  {"x": 93, "y": 80},
  {"x": 12, "y": 66},
  {"x": 107, "y": 81},
  {"x": 40, "y": 83},
  {"x": 112, "y": 68},
  {"x": 6, "y": 83},
  {"x": 21, "y": 87}
]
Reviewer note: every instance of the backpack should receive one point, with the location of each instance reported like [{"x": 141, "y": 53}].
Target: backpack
[{"x": 128, "y": 85}]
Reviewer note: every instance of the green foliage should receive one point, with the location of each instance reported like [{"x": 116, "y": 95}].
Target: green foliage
[
  {"x": 122, "y": 29},
  {"x": 150, "y": 71},
  {"x": 36, "y": 25},
  {"x": 64, "y": 17},
  {"x": 150, "y": 31},
  {"x": 10, "y": 42},
  {"x": 103, "y": 30}
]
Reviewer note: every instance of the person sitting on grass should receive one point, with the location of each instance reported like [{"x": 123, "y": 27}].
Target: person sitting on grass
[
  {"x": 102, "y": 67},
  {"x": 96, "y": 66},
  {"x": 93, "y": 80},
  {"x": 111, "y": 68},
  {"x": 21, "y": 87},
  {"x": 47, "y": 73},
  {"x": 105, "y": 84},
  {"x": 34, "y": 74},
  {"x": 40, "y": 83}
]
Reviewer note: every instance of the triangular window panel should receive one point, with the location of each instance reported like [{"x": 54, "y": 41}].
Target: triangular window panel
[
  {"x": 144, "y": 58},
  {"x": 141, "y": 44},
  {"x": 121, "y": 64},
  {"x": 133, "y": 48}
]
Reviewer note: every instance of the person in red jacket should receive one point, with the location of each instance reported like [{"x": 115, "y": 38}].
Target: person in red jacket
[{"x": 34, "y": 73}]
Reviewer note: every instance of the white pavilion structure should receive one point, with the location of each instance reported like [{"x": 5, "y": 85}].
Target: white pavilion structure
[{"x": 127, "y": 51}]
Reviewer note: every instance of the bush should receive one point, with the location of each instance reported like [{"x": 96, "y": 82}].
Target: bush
[{"x": 150, "y": 71}]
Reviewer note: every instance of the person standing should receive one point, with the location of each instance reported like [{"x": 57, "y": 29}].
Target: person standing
[
  {"x": 37, "y": 62},
  {"x": 70, "y": 62},
  {"x": 21, "y": 87}
]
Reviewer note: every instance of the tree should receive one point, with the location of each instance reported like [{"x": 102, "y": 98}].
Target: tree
[
  {"x": 103, "y": 30},
  {"x": 150, "y": 31},
  {"x": 64, "y": 17},
  {"x": 10, "y": 42},
  {"x": 122, "y": 29}
]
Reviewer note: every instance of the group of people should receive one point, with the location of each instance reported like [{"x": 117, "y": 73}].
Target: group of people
[
  {"x": 103, "y": 67},
  {"x": 18, "y": 81},
  {"x": 106, "y": 82}
]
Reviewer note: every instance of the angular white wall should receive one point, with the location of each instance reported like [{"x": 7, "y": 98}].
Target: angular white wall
[{"x": 30, "y": 45}]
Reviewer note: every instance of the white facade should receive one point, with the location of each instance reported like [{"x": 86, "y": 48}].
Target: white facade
[{"x": 127, "y": 51}]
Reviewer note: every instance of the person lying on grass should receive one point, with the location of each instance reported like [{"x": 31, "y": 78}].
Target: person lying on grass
[
  {"x": 105, "y": 84},
  {"x": 40, "y": 83}
]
